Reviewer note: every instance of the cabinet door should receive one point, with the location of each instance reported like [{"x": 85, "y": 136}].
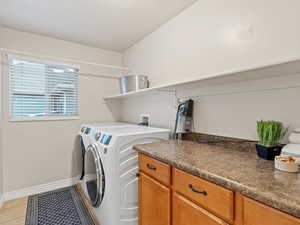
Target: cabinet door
[
  {"x": 258, "y": 214},
  {"x": 154, "y": 202},
  {"x": 186, "y": 212}
]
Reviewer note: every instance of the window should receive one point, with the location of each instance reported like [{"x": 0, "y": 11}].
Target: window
[{"x": 42, "y": 90}]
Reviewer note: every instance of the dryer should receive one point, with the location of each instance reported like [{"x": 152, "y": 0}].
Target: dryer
[
  {"x": 87, "y": 136},
  {"x": 112, "y": 185}
]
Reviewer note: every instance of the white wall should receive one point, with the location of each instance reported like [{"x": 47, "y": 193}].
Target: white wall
[
  {"x": 215, "y": 36},
  {"x": 1, "y": 146},
  {"x": 41, "y": 152}
]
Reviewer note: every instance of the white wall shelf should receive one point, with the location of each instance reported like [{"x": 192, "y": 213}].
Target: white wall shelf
[{"x": 274, "y": 69}]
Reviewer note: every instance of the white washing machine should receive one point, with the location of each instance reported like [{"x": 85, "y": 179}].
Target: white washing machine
[
  {"x": 87, "y": 136},
  {"x": 111, "y": 184}
]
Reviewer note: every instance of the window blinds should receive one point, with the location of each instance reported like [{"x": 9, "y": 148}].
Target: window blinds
[{"x": 42, "y": 90}]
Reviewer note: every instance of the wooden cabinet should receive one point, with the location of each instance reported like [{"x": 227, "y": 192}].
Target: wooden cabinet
[
  {"x": 256, "y": 213},
  {"x": 154, "y": 202},
  {"x": 187, "y": 213},
  {"x": 183, "y": 199}
]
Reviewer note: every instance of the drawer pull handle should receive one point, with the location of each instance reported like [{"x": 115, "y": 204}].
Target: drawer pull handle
[
  {"x": 151, "y": 167},
  {"x": 196, "y": 191}
]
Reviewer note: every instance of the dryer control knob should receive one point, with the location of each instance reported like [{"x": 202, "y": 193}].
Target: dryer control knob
[{"x": 97, "y": 136}]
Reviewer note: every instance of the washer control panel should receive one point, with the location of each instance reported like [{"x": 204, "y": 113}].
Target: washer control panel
[
  {"x": 88, "y": 130},
  {"x": 105, "y": 139}
]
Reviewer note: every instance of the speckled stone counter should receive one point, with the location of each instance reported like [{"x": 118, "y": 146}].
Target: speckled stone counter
[{"x": 237, "y": 170}]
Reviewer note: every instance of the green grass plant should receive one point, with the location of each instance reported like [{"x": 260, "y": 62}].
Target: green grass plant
[{"x": 270, "y": 132}]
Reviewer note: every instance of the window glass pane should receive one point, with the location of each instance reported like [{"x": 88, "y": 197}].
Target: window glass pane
[
  {"x": 29, "y": 105},
  {"x": 28, "y": 77},
  {"x": 38, "y": 89},
  {"x": 57, "y": 103},
  {"x": 71, "y": 108}
]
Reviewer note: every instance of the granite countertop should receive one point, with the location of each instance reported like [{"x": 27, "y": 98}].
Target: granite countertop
[{"x": 240, "y": 171}]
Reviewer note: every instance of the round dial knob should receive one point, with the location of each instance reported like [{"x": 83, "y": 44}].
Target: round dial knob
[
  {"x": 82, "y": 129},
  {"x": 97, "y": 136}
]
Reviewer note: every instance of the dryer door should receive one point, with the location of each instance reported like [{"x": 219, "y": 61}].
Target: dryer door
[{"x": 95, "y": 179}]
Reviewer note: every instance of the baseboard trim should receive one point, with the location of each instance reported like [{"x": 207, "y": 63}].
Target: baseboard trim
[
  {"x": 1, "y": 201},
  {"x": 39, "y": 188}
]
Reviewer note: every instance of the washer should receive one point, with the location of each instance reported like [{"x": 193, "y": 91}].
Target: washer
[
  {"x": 87, "y": 136},
  {"x": 112, "y": 184}
]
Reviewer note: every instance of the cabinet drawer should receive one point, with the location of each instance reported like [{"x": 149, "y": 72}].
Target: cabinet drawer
[
  {"x": 186, "y": 212},
  {"x": 257, "y": 213},
  {"x": 208, "y": 195},
  {"x": 155, "y": 169}
]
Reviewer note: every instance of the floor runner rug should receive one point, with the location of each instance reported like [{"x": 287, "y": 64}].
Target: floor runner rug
[{"x": 60, "y": 207}]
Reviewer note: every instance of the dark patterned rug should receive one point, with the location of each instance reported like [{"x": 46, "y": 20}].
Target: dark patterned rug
[{"x": 59, "y": 207}]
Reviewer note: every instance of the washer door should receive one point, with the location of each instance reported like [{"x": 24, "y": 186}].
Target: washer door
[
  {"x": 95, "y": 179},
  {"x": 82, "y": 146}
]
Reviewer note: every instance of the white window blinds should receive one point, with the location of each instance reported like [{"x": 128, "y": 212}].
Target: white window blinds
[{"x": 42, "y": 90}]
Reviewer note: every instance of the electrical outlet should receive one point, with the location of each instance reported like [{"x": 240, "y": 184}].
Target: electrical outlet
[{"x": 145, "y": 120}]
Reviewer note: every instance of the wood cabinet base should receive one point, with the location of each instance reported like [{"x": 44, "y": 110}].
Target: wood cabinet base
[{"x": 196, "y": 201}]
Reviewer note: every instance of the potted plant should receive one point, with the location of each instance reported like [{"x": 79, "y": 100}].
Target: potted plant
[{"x": 269, "y": 133}]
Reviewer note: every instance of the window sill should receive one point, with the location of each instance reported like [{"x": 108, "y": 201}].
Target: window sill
[{"x": 46, "y": 118}]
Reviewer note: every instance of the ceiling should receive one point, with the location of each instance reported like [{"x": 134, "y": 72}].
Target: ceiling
[{"x": 108, "y": 24}]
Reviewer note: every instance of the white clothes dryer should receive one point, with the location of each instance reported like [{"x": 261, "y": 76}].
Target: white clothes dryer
[
  {"x": 87, "y": 136},
  {"x": 112, "y": 185}
]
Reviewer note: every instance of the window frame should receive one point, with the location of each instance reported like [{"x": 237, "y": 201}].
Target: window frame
[{"x": 12, "y": 118}]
